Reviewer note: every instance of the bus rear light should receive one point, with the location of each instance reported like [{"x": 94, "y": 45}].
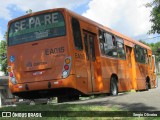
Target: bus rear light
[
  {"x": 11, "y": 74},
  {"x": 66, "y": 67},
  {"x": 67, "y": 60}
]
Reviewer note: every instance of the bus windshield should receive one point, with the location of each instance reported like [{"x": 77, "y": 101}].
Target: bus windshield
[{"x": 37, "y": 27}]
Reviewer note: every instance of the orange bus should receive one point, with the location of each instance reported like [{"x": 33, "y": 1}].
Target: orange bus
[{"x": 58, "y": 53}]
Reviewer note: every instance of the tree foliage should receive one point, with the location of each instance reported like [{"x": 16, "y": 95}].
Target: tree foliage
[
  {"x": 155, "y": 16},
  {"x": 3, "y": 55}
]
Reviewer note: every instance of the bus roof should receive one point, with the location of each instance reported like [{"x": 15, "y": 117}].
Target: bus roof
[{"x": 87, "y": 21}]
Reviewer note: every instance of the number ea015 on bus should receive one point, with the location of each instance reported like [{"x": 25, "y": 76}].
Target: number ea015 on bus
[{"x": 58, "y": 53}]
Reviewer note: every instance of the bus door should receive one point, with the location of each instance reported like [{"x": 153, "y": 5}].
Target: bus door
[{"x": 89, "y": 41}]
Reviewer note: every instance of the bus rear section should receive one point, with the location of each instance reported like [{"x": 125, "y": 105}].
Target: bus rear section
[{"x": 40, "y": 63}]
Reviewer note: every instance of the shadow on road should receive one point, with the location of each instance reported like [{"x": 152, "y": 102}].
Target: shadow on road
[
  {"x": 132, "y": 101},
  {"x": 123, "y": 101},
  {"x": 123, "y": 106}
]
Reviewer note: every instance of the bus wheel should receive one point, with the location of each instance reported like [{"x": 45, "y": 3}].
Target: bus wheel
[
  {"x": 68, "y": 98},
  {"x": 74, "y": 97},
  {"x": 63, "y": 99},
  {"x": 147, "y": 85},
  {"x": 113, "y": 87}
]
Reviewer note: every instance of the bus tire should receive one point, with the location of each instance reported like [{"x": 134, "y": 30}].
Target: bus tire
[
  {"x": 113, "y": 87},
  {"x": 62, "y": 99},
  {"x": 68, "y": 98},
  {"x": 147, "y": 85},
  {"x": 73, "y": 98}
]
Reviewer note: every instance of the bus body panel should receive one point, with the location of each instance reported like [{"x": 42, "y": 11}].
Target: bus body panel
[
  {"x": 141, "y": 76},
  {"x": 109, "y": 67},
  {"x": 41, "y": 64},
  {"x": 129, "y": 65},
  {"x": 122, "y": 76}
]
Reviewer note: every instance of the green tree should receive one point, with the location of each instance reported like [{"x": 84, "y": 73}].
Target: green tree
[
  {"x": 3, "y": 56},
  {"x": 155, "y": 48},
  {"x": 155, "y": 16}
]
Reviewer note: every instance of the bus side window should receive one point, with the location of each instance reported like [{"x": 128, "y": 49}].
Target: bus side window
[
  {"x": 120, "y": 49},
  {"x": 86, "y": 46},
  {"x": 110, "y": 45},
  {"x": 92, "y": 48},
  {"x": 136, "y": 52},
  {"x": 140, "y": 54},
  {"x": 77, "y": 34},
  {"x": 146, "y": 56},
  {"x": 101, "y": 41}
]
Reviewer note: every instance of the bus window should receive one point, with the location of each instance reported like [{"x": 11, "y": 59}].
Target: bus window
[
  {"x": 92, "y": 47},
  {"x": 86, "y": 45},
  {"x": 140, "y": 54},
  {"x": 39, "y": 27},
  {"x": 109, "y": 45},
  {"x": 113, "y": 41},
  {"x": 77, "y": 34},
  {"x": 120, "y": 49},
  {"x": 146, "y": 56},
  {"x": 136, "y": 52},
  {"x": 101, "y": 40}
]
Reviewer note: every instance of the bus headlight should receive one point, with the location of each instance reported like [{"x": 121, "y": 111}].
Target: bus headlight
[{"x": 65, "y": 74}]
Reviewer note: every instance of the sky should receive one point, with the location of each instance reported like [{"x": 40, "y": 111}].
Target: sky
[{"x": 129, "y": 17}]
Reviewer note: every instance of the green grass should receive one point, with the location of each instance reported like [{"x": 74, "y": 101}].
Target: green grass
[
  {"x": 68, "y": 107},
  {"x": 58, "y": 107}
]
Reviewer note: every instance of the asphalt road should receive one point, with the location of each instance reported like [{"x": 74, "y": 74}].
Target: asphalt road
[{"x": 132, "y": 101}]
